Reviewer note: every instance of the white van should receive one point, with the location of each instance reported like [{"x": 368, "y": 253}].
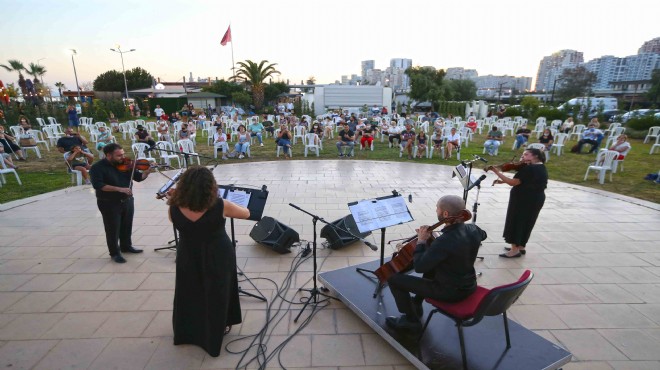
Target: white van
[{"x": 593, "y": 103}]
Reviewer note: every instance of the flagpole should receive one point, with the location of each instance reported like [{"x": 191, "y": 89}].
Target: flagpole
[{"x": 233, "y": 65}]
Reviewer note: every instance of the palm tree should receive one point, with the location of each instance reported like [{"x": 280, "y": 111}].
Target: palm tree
[
  {"x": 15, "y": 65},
  {"x": 254, "y": 75},
  {"x": 59, "y": 86},
  {"x": 35, "y": 70}
]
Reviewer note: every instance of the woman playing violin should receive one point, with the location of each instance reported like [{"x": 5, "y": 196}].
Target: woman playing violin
[
  {"x": 447, "y": 265},
  {"x": 525, "y": 201},
  {"x": 114, "y": 198}
]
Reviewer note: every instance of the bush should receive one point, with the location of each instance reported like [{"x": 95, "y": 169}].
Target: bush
[
  {"x": 643, "y": 123},
  {"x": 550, "y": 114},
  {"x": 513, "y": 112}
]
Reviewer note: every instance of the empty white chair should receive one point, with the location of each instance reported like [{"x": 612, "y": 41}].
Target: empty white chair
[
  {"x": 140, "y": 152},
  {"x": 299, "y": 132},
  {"x": 311, "y": 143},
  {"x": 41, "y": 122},
  {"x": 52, "y": 121},
  {"x": 656, "y": 145},
  {"x": 4, "y": 170},
  {"x": 558, "y": 143},
  {"x": 187, "y": 149},
  {"x": 604, "y": 162},
  {"x": 165, "y": 151},
  {"x": 654, "y": 132}
]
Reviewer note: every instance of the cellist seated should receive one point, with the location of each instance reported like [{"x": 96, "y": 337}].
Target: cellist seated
[{"x": 447, "y": 265}]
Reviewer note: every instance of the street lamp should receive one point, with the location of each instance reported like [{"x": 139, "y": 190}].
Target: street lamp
[
  {"x": 121, "y": 53},
  {"x": 42, "y": 79},
  {"x": 554, "y": 85},
  {"x": 74, "y": 52}
]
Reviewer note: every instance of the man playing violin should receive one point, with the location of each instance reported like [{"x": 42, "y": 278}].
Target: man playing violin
[
  {"x": 447, "y": 265},
  {"x": 114, "y": 198}
]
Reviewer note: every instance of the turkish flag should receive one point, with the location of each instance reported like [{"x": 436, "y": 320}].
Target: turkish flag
[{"x": 227, "y": 37}]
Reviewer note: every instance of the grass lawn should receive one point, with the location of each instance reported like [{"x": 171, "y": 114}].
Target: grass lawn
[{"x": 49, "y": 173}]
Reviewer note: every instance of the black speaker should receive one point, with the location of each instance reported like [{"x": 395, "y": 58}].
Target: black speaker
[
  {"x": 274, "y": 234},
  {"x": 338, "y": 238}
]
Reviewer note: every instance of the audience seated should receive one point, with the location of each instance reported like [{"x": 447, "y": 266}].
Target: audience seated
[
  {"x": 243, "y": 142},
  {"x": 453, "y": 142},
  {"x": 567, "y": 125},
  {"x": 472, "y": 123},
  {"x": 394, "y": 133},
  {"x": 421, "y": 144},
  {"x": 522, "y": 135},
  {"x": 220, "y": 142},
  {"x": 367, "y": 136},
  {"x": 256, "y": 129},
  {"x": 547, "y": 139},
  {"x": 6, "y": 157},
  {"x": 346, "y": 138},
  {"x": 493, "y": 140},
  {"x": 103, "y": 138},
  {"x": 163, "y": 130},
  {"x": 142, "y": 136},
  {"x": 408, "y": 139},
  {"x": 316, "y": 129},
  {"x": 622, "y": 146},
  {"x": 284, "y": 138},
  {"x": 9, "y": 144},
  {"x": 79, "y": 160},
  {"x": 71, "y": 138},
  {"x": 592, "y": 136}
]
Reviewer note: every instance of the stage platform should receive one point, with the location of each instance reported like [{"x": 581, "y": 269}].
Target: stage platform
[{"x": 439, "y": 348}]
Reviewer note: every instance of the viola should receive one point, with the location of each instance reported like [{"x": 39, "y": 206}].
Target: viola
[
  {"x": 128, "y": 165},
  {"x": 402, "y": 260}
]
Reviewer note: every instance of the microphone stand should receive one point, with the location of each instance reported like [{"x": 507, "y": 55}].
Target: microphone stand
[
  {"x": 466, "y": 190},
  {"x": 314, "y": 292}
]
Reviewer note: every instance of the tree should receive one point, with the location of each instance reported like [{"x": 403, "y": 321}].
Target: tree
[
  {"x": 273, "y": 90},
  {"x": 14, "y": 65},
  {"x": 462, "y": 90},
  {"x": 35, "y": 70},
  {"x": 426, "y": 84},
  {"x": 254, "y": 75},
  {"x": 136, "y": 78},
  {"x": 60, "y": 86},
  {"x": 575, "y": 82},
  {"x": 223, "y": 87},
  {"x": 654, "y": 91}
]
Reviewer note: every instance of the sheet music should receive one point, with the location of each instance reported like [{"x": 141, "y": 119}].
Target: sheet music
[
  {"x": 372, "y": 214},
  {"x": 240, "y": 197}
]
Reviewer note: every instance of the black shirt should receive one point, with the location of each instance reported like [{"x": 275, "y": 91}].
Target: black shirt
[
  {"x": 346, "y": 135},
  {"x": 104, "y": 173},
  {"x": 524, "y": 131},
  {"x": 68, "y": 142},
  {"x": 450, "y": 258}
]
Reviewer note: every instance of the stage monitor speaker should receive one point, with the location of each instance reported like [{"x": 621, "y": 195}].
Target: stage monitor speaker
[
  {"x": 274, "y": 234},
  {"x": 338, "y": 238}
]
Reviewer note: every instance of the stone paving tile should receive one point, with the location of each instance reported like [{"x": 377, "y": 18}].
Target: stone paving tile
[
  {"x": 651, "y": 311},
  {"x": 175, "y": 357},
  {"x": 123, "y": 281},
  {"x": 24, "y": 354},
  {"x": 84, "y": 282},
  {"x": 77, "y": 325},
  {"x": 611, "y": 293},
  {"x": 45, "y": 282},
  {"x": 326, "y": 347},
  {"x": 635, "y": 344},
  {"x": 29, "y": 326},
  {"x": 86, "y": 265},
  {"x": 160, "y": 326},
  {"x": 123, "y": 324},
  {"x": 72, "y": 354},
  {"x": 588, "y": 345},
  {"x": 572, "y": 293},
  {"x": 37, "y": 302},
  {"x": 622, "y": 316},
  {"x": 126, "y": 354},
  {"x": 537, "y": 317},
  {"x": 158, "y": 281},
  {"x": 377, "y": 352},
  {"x": 124, "y": 301},
  {"x": 635, "y": 365},
  {"x": 9, "y": 298}
]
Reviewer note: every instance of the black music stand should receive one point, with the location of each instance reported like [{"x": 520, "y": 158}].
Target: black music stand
[
  {"x": 255, "y": 201},
  {"x": 464, "y": 173},
  {"x": 379, "y": 213}
]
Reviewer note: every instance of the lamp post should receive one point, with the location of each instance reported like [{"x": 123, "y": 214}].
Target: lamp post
[
  {"x": 74, "y": 52},
  {"x": 554, "y": 85},
  {"x": 121, "y": 53}
]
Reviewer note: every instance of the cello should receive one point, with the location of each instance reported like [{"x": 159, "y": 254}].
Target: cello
[{"x": 402, "y": 259}]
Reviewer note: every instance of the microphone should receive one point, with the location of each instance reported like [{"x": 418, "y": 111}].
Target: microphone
[
  {"x": 370, "y": 245},
  {"x": 477, "y": 183},
  {"x": 479, "y": 158}
]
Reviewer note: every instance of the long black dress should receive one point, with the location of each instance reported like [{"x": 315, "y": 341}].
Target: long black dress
[
  {"x": 525, "y": 203},
  {"x": 206, "y": 292}
]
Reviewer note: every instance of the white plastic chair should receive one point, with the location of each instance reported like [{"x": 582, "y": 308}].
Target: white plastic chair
[
  {"x": 604, "y": 162},
  {"x": 558, "y": 143},
  {"x": 139, "y": 152},
  {"x": 41, "y": 122},
  {"x": 654, "y": 132},
  {"x": 52, "y": 121},
  {"x": 16, "y": 131},
  {"x": 540, "y": 147},
  {"x": 76, "y": 176},
  {"x": 166, "y": 156},
  {"x": 576, "y": 131},
  {"x": 186, "y": 146},
  {"x": 310, "y": 143},
  {"x": 223, "y": 145},
  {"x": 539, "y": 128},
  {"x": 656, "y": 145},
  {"x": 38, "y": 136},
  {"x": 299, "y": 132},
  {"x": 4, "y": 170}
]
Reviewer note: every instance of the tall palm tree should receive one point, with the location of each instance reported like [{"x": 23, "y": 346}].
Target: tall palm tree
[
  {"x": 35, "y": 70},
  {"x": 254, "y": 75},
  {"x": 14, "y": 65},
  {"x": 59, "y": 86}
]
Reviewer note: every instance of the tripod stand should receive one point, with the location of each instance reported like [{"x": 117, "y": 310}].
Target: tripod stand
[
  {"x": 240, "y": 272},
  {"x": 314, "y": 292}
]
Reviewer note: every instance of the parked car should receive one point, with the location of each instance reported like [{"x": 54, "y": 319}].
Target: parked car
[
  {"x": 608, "y": 114},
  {"x": 635, "y": 113}
]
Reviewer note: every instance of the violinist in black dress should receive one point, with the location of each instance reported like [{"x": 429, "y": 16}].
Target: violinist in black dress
[
  {"x": 525, "y": 201},
  {"x": 206, "y": 301}
]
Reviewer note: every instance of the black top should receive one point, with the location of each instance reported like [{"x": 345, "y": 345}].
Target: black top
[
  {"x": 524, "y": 131},
  {"x": 346, "y": 135},
  {"x": 450, "y": 258},
  {"x": 68, "y": 142},
  {"x": 545, "y": 139},
  {"x": 104, "y": 173},
  {"x": 525, "y": 203}
]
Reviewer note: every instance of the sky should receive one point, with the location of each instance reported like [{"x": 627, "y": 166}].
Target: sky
[{"x": 323, "y": 39}]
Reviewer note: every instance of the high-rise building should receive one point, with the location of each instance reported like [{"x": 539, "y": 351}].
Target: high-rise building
[
  {"x": 460, "y": 73},
  {"x": 490, "y": 82},
  {"x": 399, "y": 66},
  {"x": 552, "y": 66},
  {"x": 366, "y": 66},
  {"x": 651, "y": 46}
]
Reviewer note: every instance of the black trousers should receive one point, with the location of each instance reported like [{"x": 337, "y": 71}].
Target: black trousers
[
  {"x": 397, "y": 137},
  {"x": 401, "y": 285},
  {"x": 594, "y": 145},
  {"x": 118, "y": 223}
]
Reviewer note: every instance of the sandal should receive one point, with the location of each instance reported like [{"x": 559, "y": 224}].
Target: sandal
[{"x": 227, "y": 330}]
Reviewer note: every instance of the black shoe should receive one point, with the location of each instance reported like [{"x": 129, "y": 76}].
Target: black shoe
[
  {"x": 404, "y": 323},
  {"x": 517, "y": 255},
  {"x": 522, "y": 251},
  {"x": 131, "y": 250},
  {"x": 118, "y": 258}
]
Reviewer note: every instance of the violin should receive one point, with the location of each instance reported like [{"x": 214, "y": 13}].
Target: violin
[
  {"x": 128, "y": 165},
  {"x": 508, "y": 166},
  {"x": 402, "y": 260}
]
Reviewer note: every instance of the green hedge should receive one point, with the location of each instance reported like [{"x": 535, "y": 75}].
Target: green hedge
[{"x": 643, "y": 123}]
